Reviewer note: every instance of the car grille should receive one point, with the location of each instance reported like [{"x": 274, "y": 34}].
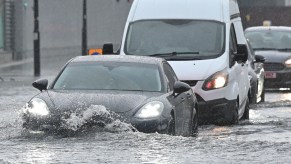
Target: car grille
[
  {"x": 273, "y": 66},
  {"x": 192, "y": 83}
]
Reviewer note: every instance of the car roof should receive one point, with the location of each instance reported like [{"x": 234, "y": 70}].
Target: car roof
[
  {"x": 119, "y": 58},
  {"x": 264, "y": 28},
  {"x": 219, "y": 10}
]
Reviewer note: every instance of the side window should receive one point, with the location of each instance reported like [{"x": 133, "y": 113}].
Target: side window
[
  {"x": 232, "y": 40},
  {"x": 232, "y": 45},
  {"x": 171, "y": 76}
]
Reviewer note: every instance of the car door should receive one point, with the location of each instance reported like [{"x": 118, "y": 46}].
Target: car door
[
  {"x": 238, "y": 70},
  {"x": 183, "y": 103}
]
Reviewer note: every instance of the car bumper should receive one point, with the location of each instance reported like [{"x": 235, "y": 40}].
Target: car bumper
[
  {"x": 159, "y": 124},
  {"x": 151, "y": 125},
  {"x": 282, "y": 80},
  {"x": 215, "y": 110}
]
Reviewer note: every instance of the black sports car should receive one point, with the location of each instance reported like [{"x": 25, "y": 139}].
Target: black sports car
[{"x": 97, "y": 90}]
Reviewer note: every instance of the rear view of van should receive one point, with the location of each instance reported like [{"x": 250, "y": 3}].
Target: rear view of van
[{"x": 203, "y": 40}]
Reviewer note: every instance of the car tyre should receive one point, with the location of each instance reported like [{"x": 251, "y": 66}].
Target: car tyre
[
  {"x": 234, "y": 115},
  {"x": 263, "y": 95},
  {"x": 229, "y": 117},
  {"x": 246, "y": 114},
  {"x": 195, "y": 124},
  {"x": 172, "y": 129},
  {"x": 181, "y": 131}
]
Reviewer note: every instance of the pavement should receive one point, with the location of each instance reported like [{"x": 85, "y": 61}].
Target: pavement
[
  {"x": 52, "y": 61},
  {"x": 5, "y": 57}
]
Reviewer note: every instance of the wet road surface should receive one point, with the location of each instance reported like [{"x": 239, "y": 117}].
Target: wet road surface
[{"x": 265, "y": 138}]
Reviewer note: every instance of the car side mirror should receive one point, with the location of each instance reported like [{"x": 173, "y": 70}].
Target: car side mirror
[
  {"x": 40, "y": 84},
  {"x": 180, "y": 87},
  {"x": 242, "y": 53},
  {"x": 260, "y": 59},
  {"x": 107, "y": 48}
]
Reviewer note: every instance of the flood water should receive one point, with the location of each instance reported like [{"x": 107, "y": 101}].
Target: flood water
[{"x": 265, "y": 138}]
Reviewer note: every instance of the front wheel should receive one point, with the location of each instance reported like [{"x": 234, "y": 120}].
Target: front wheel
[
  {"x": 234, "y": 114},
  {"x": 194, "y": 131},
  {"x": 183, "y": 126},
  {"x": 263, "y": 95},
  {"x": 230, "y": 115},
  {"x": 246, "y": 114}
]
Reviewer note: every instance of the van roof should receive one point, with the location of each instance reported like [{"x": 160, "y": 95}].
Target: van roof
[{"x": 219, "y": 10}]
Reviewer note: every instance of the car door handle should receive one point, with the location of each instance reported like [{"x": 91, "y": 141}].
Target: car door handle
[{"x": 183, "y": 99}]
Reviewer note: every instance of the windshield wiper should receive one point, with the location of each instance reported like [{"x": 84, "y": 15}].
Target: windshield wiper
[
  {"x": 172, "y": 54},
  {"x": 175, "y": 56},
  {"x": 264, "y": 49}
]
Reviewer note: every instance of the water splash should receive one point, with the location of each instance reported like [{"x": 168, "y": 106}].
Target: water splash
[
  {"x": 119, "y": 126},
  {"x": 96, "y": 115},
  {"x": 76, "y": 120}
]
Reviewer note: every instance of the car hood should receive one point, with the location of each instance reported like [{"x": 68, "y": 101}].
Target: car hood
[
  {"x": 198, "y": 69},
  {"x": 274, "y": 56},
  {"x": 117, "y": 102}
]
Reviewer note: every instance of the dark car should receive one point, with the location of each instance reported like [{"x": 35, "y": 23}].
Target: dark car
[
  {"x": 96, "y": 90},
  {"x": 257, "y": 75},
  {"x": 273, "y": 43}
]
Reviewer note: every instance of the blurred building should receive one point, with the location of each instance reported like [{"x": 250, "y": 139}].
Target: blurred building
[
  {"x": 258, "y": 12},
  {"x": 60, "y": 25},
  {"x": 260, "y": 3},
  {"x": 6, "y": 28}
]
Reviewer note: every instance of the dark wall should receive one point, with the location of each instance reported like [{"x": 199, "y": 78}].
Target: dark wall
[
  {"x": 255, "y": 16},
  {"x": 253, "y": 3}
]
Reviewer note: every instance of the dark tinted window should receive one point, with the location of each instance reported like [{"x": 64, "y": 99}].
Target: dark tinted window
[
  {"x": 171, "y": 76},
  {"x": 269, "y": 39},
  {"x": 110, "y": 76}
]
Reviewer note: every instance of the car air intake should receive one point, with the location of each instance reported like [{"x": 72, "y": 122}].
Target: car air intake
[
  {"x": 192, "y": 83},
  {"x": 273, "y": 66}
]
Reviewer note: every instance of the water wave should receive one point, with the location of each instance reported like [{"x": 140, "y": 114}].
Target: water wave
[{"x": 96, "y": 115}]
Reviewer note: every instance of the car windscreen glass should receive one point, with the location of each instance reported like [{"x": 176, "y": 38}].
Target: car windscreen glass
[
  {"x": 201, "y": 39},
  {"x": 269, "y": 39},
  {"x": 109, "y": 76}
]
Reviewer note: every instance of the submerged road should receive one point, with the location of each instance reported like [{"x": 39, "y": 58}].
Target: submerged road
[{"x": 265, "y": 138}]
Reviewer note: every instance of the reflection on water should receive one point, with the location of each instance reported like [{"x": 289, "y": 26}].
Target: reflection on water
[
  {"x": 38, "y": 153},
  {"x": 278, "y": 95}
]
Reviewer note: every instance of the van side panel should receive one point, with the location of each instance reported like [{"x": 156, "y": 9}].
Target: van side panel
[{"x": 239, "y": 31}]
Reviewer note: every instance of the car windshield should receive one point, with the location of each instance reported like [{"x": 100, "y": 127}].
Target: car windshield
[
  {"x": 109, "y": 76},
  {"x": 199, "y": 39},
  {"x": 269, "y": 39}
]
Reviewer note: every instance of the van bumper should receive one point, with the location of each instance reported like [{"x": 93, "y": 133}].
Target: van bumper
[{"x": 215, "y": 110}]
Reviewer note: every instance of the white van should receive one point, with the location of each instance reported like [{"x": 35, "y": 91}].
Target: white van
[{"x": 203, "y": 40}]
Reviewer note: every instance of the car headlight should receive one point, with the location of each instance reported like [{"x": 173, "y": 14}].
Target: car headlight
[
  {"x": 150, "y": 110},
  {"x": 37, "y": 107},
  {"x": 216, "y": 81},
  {"x": 288, "y": 63}
]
